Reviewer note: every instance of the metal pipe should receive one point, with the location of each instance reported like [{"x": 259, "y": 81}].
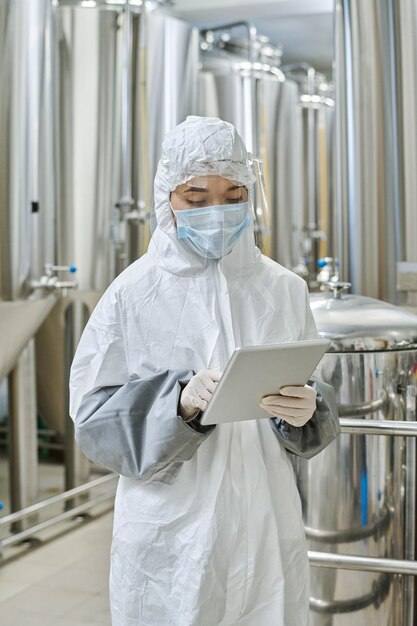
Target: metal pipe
[
  {"x": 66, "y": 495},
  {"x": 353, "y": 410},
  {"x": 410, "y": 500},
  {"x": 343, "y": 184},
  {"x": 311, "y": 157},
  {"x": 350, "y": 534},
  {"x": 378, "y": 427},
  {"x": 252, "y": 34},
  {"x": 126, "y": 110},
  {"x": 126, "y": 201},
  {"x": 378, "y": 593},
  {"x": 54, "y": 520},
  {"x": 23, "y": 432},
  {"x": 77, "y": 466},
  {"x": 363, "y": 564}
]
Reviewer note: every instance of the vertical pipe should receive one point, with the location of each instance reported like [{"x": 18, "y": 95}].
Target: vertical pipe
[
  {"x": 108, "y": 147},
  {"x": 391, "y": 244},
  {"x": 144, "y": 119},
  {"x": 77, "y": 466},
  {"x": 311, "y": 152},
  {"x": 410, "y": 505},
  {"x": 23, "y": 434},
  {"x": 322, "y": 196},
  {"x": 346, "y": 182},
  {"x": 406, "y": 28},
  {"x": 47, "y": 147},
  {"x": 125, "y": 203},
  {"x": 126, "y": 107}
]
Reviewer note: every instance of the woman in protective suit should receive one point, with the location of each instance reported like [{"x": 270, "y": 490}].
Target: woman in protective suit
[{"x": 207, "y": 521}]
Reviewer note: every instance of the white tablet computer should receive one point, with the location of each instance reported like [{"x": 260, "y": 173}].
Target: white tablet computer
[{"x": 257, "y": 371}]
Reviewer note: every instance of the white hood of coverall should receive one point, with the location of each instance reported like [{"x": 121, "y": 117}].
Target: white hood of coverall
[{"x": 196, "y": 148}]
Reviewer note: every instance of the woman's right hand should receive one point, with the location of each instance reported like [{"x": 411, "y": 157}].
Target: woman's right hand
[{"x": 197, "y": 393}]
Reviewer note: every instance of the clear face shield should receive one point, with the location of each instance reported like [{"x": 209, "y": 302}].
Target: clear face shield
[{"x": 261, "y": 208}]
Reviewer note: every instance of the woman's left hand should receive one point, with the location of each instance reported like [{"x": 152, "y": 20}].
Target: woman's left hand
[{"x": 295, "y": 405}]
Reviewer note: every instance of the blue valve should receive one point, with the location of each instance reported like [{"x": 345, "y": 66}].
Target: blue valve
[
  {"x": 327, "y": 260},
  {"x": 1, "y": 505},
  {"x": 72, "y": 269}
]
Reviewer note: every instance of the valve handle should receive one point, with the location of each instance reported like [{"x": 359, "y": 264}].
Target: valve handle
[
  {"x": 49, "y": 268},
  {"x": 337, "y": 287}
]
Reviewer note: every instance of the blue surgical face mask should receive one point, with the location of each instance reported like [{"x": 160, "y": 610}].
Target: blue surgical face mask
[{"x": 212, "y": 231}]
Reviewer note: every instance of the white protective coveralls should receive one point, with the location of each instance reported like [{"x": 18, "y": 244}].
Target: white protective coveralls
[{"x": 207, "y": 522}]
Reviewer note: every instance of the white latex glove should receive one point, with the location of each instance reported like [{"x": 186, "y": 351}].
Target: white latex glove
[
  {"x": 294, "y": 405},
  {"x": 195, "y": 396}
]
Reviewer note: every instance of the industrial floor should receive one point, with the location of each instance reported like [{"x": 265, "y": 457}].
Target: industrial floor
[{"x": 64, "y": 583}]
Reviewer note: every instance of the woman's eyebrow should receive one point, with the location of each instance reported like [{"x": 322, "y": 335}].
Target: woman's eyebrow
[
  {"x": 204, "y": 189},
  {"x": 199, "y": 189}
]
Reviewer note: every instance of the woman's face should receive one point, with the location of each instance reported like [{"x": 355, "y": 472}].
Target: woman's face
[{"x": 207, "y": 191}]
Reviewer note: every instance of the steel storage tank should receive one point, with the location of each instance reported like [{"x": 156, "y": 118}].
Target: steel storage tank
[
  {"x": 241, "y": 82},
  {"x": 28, "y": 175},
  {"x": 316, "y": 100},
  {"x": 376, "y": 142},
  {"x": 116, "y": 92},
  {"x": 358, "y": 495},
  {"x": 115, "y": 95},
  {"x": 285, "y": 115},
  {"x": 28, "y": 217}
]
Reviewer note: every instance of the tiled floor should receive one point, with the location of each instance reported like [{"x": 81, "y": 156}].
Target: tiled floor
[{"x": 64, "y": 583}]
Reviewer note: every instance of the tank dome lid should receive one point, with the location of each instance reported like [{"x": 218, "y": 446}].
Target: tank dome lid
[{"x": 360, "y": 324}]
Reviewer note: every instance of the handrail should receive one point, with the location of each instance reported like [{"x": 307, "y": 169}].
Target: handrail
[
  {"x": 24, "y": 534},
  {"x": 61, "y": 497},
  {"x": 378, "y": 427},
  {"x": 362, "y": 563}
]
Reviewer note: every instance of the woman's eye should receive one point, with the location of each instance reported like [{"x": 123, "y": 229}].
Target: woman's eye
[
  {"x": 195, "y": 202},
  {"x": 199, "y": 203}
]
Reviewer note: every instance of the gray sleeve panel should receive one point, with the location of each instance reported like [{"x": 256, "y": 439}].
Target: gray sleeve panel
[
  {"x": 319, "y": 431},
  {"x": 135, "y": 429}
]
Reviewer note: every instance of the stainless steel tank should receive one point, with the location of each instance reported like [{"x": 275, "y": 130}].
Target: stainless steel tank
[
  {"x": 88, "y": 91},
  {"x": 126, "y": 74},
  {"x": 241, "y": 82},
  {"x": 285, "y": 116},
  {"x": 28, "y": 210},
  {"x": 376, "y": 141},
  {"x": 28, "y": 174},
  {"x": 358, "y": 495}
]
